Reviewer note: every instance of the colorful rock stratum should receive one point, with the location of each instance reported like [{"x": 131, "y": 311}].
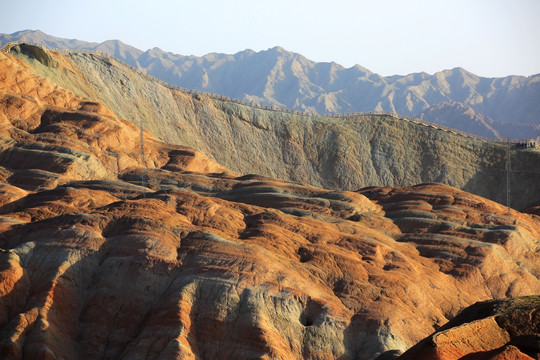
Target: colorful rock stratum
[{"x": 109, "y": 255}]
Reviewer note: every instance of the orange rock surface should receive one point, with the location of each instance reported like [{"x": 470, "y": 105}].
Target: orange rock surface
[
  {"x": 109, "y": 255},
  {"x": 491, "y": 330}
]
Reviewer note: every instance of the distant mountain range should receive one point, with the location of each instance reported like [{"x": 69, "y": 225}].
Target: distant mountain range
[{"x": 492, "y": 107}]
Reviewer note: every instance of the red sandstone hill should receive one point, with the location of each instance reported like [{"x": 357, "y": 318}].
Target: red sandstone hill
[{"x": 104, "y": 256}]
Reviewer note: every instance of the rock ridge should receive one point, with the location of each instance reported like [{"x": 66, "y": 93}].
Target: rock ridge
[
  {"x": 345, "y": 154},
  {"x": 109, "y": 255}
]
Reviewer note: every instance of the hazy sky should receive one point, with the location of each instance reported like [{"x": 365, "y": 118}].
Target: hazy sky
[{"x": 486, "y": 37}]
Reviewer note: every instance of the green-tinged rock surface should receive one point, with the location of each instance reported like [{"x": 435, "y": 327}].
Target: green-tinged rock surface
[{"x": 345, "y": 153}]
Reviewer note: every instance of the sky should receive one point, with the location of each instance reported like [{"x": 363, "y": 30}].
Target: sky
[{"x": 491, "y": 38}]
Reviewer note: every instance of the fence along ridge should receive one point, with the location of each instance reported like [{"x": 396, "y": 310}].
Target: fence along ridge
[{"x": 7, "y": 47}]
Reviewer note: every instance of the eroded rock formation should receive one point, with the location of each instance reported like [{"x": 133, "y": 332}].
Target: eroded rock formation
[
  {"x": 496, "y": 330},
  {"x": 104, "y": 256}
]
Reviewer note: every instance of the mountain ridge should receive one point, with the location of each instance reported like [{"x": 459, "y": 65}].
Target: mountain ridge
[
  {"x": 458, "y": 115},
  {"x": 286, "y": 79},
  {"x": 340, "y": 153}
]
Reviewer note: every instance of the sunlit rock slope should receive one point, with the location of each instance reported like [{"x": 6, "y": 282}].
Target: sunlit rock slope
[
  {"x": 490, "y": 330},
  {"x": 109, "y": 255}
]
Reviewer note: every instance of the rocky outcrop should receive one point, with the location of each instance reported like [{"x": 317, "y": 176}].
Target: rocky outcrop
[
  {"x": 344, "y": 154},
  {"x": 106, "y": 254},
  {"x": 497, "y": 330}
]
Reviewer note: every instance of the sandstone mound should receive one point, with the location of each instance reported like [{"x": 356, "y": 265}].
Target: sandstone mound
[
  {"x": 496, "y": 330},
  {"x": 109, "y": 255}
]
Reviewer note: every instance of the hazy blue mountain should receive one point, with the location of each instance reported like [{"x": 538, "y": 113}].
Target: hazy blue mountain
[
  {"x": 287, "y": 79},
  {"x": 116, "y": 48},
  {"x": 40, "y": 37},
  {"x": 464, "y": 117}
]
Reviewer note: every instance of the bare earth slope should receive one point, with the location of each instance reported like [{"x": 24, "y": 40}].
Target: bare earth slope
[
  {"x": 346, "y": 154},
  {"x": 193, "y": 261}
]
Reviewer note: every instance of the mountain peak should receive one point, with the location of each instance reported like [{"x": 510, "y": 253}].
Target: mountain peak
[
  {"x": 28, "y": 31},
  {"x": 278, "y": 49},
  {"x": 361, "y": 69},
  {"x": 114, "y": 41},
  {"x": 32, "y": 35}
]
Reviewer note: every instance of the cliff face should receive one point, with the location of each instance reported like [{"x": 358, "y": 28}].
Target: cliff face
[
  {"x": 107, "y": 255},
  {"x": 345, "y": 154}
]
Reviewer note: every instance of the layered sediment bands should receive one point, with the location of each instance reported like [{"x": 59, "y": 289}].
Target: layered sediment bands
[
  {"x": 345, "y": 154},
  {"x": 463, "y": 233},
  {"x": 106, "y": 256}
]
